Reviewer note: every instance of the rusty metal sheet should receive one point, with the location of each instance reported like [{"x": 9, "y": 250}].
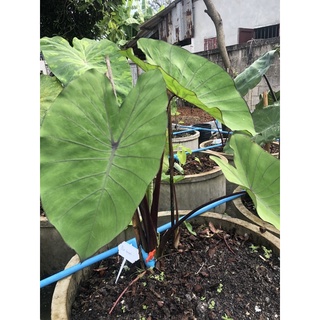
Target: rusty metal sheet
[{"x": 177, "y": 24}]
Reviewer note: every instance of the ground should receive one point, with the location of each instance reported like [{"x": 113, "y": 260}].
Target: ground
[{"x": 191, "y": 115}]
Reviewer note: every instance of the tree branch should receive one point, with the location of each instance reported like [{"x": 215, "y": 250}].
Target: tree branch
[{"x": 217, "y": 20}]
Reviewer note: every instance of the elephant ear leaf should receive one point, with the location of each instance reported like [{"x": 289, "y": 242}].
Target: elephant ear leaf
[
  {"x": 68, "y": 62},
  {"x": 252, "y": 75},
  {"x": 267, "y": 123},
  {"x": 50, "y": 88},
  {"x": 97, "y": 159},
  {"x": 258, "y": 172},
  {"x": 198, "y": 81}
]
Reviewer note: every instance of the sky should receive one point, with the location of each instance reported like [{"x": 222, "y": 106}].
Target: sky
[{"x": 20, "y": 124}]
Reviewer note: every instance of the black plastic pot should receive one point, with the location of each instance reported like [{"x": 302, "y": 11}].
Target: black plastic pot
[{"x": 204, "y": 134}]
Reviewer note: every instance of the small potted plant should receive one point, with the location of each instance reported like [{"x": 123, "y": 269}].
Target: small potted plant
[{"x": 197, "y": 180}]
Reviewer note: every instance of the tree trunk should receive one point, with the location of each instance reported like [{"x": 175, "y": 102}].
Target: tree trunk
[{"x": 216, "y": 18}]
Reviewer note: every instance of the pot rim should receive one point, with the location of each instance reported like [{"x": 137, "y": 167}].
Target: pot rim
[{"x": 252, "y": 217}]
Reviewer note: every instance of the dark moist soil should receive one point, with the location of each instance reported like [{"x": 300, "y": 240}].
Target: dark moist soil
[
  {"x": 248, "y": 203},
  {"x": 197, "y": 163},
  {"x": 211, "y": 275}
]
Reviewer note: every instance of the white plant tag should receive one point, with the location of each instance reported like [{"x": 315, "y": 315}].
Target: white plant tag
[{"x": 128, "y": 252}]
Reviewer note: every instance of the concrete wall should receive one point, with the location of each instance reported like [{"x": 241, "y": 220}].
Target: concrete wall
[{"x": 235, "y": 14}]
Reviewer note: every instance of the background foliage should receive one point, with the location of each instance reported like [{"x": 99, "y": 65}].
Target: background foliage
[{"x": 116, "y": 20}]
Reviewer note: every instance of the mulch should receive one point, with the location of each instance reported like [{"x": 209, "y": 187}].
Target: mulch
[{"x": 210, "y": 275}]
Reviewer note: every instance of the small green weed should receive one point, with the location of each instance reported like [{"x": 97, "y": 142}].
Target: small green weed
[
  {"x": 211, "y": 304},
  {"x": 189, "y": 227},
  {"x": 219, "y": 289},
  {"x": 254, "y": 248},
  {"x": 267, "y": 253},
  {"x": 159, "y": 277}
]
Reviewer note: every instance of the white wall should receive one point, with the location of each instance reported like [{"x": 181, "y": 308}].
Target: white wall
[
  {"x": 43, "y": 67},
  {"x": 235, "y": 14}
]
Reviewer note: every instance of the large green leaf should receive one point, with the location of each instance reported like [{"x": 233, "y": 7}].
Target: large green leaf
[
  {"x": 198, "y": 81},
  {"x": 50, "y": 87},
  {"x": 67, "y": 62},
  {"x": 97, "y": 158},
  {"x": 252, "y": 75},
  {"x": 258, "y": 172},
  {"x": 267, "y": 123}
]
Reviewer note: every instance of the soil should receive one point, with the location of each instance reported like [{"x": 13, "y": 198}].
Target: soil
[
  {"x": 197, "y": 163},
  {"x": 191, "y": 115},
  {"x": 248, "y": 203},
  {"x": 210, "y": 275}
]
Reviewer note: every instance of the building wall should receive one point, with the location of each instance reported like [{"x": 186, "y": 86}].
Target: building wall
[{"x": 235, "y": 14}]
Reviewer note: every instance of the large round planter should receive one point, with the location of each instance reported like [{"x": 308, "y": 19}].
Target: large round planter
[
  {"x": 66, "y": 289},
  {"x": 195, "y": 190},
  {"x": 54, "y": 255},
  {"x": 229, "y": 185},
  {"x": 189, "y": 139},
  {"x": 54, "y": 252},
  {"x": 246, "y": 214},
  {"x": 212, "y": 142}
]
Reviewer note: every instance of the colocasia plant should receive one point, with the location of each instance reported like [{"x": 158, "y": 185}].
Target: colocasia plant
[{"x": 103, "y": 139}]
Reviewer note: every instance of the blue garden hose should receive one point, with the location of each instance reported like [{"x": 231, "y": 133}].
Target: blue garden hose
[{"x": 67, "y": 272}]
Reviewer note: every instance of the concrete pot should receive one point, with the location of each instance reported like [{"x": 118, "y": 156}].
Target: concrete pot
[
  {"x": 210, "y": 142},
  {"x": 195, "y": 190},
  {"x": 54, "y": 252},
  {"x": 247, "y": 215},
  {"x": 191, "y": 140},
  {"x": 66, "y": 289},
  {"x": 207, "y": 143}
]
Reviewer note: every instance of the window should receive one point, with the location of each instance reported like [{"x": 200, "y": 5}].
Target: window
[
  {"x": 210, "y": 44},
  {"x": 267, "y": 32}
]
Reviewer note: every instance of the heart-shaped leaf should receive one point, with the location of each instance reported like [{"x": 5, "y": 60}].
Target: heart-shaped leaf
[
  {"x": 50, "y": 88},
  {"x": 97, "y": 158},
  {"x": 67, "y": 62}
]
